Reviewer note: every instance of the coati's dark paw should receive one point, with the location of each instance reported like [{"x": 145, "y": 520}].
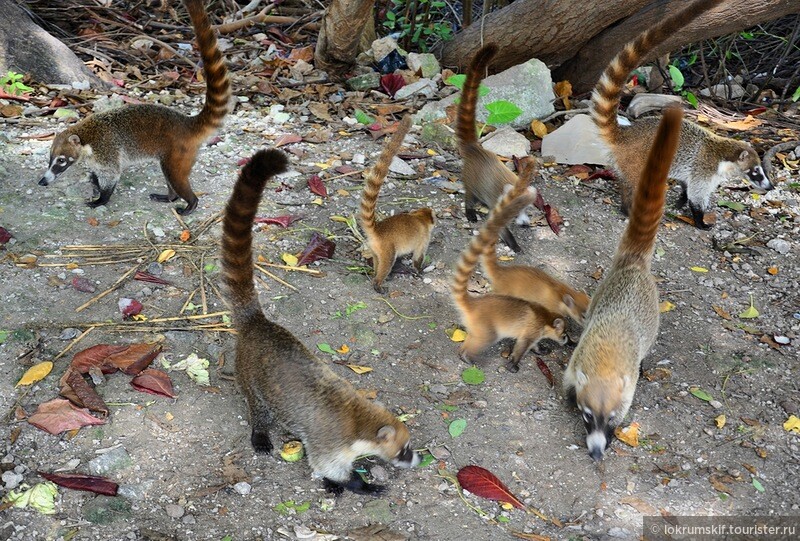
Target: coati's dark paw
[
  {"x": 704, "y": 226},
  {"x": 188, "y": 209},
  {"x": 96, "y": 203},
  {"x": 333, "y": 487},
  {"x": 161, "y": 198},
  {"x": 512, "y": 367},
  {"x": 261, "y": 442},
  {"x": 379, "y": 289},
  {"x": 471, "y": 215}
]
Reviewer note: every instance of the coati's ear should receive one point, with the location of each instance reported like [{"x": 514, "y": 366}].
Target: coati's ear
[
  {"x": 581, "y": 378},
  {"x": 569, "y": 302},
  {"x": 74, "y": 140},
  {"x": 744, "y": 155},
  {"x": 558, "y": 325},
  {"x": 386, "y": 433}
]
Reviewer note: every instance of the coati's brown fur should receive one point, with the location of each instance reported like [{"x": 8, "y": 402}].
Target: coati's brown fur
[
  {"x": 282, "y": 381},
  {"x": 534, "y": 285},
  {"x": 403, "y": 233},
  {"x": 622, "y": 324},
  {"x": 490, "y": 318},
  {"x": 703, "y": 161},
  {"x": 109, "y": 140},
  {"x": 484, "y": 175}
]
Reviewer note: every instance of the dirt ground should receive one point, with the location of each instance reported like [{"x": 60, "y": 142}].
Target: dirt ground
[{"x": 179, "y": 460}]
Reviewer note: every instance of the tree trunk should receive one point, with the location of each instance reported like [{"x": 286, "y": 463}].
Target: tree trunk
[
  {"x": 340, "y": 34},
  {"x": 581, "y": 41}
]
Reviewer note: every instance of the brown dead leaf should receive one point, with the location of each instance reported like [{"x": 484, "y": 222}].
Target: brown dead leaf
[
  {"x": 657, "y": 374},
  {"x": 750, "y": 468},
  {"x": 302, "y": 53},
  {"x": 320, "y": 110},
  {"x": 597, "y": 274},
  {"x": 628, "y": 435},
  {"x": 563, "y": 90},
  {"x": 718, "y": 481},
  {"x": 721, "y": 312},
  {"x": 640, "y": 505},
  {"x": 748, "y": 123},
  {"x": 59, "y": 415}
]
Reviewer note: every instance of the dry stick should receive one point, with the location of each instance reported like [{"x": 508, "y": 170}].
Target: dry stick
[
  {"x": 71, "y": 344},
  {"x": 265, "y": 271},
  {"x": 178, "y": 217},
  {"x": 202, "y": 283},
  {"x": 350, "y": 174},
  {"x": 260, "y": 17},
  {"x": 299, "y": 269},
  {"x": 107, "y": 291},
  {"x": 191, "y": 296}
]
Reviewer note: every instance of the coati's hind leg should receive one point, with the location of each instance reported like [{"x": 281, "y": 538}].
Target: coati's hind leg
[
  {"x": 104, "y": 192},
  {"x": 259, "y": 435},
  {"x": 510, "y": 241},
  {"x": 698, "y": 214},
  {"x": 475, "y": 343},
  {"x": 521, "y": 347},
  {"x": 176, "y": 170},
  {"x": 383, "y": 262},
  {"x": 419, "y": 258},
  {"x": 355, "y": 484},
  {"x": 469, "y": 206}
]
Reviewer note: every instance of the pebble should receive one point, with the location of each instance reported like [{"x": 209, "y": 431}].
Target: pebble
[
  {"x": 11, "y": 479},
  {"x": 242, "y": 488},
  {"x": 716, "y": 404},
  {"x": 69, "y": 334},
  {"x": 438, "y": 389},
  {"x": 779, "y": 245},
  {"x": 379, "y": 473},
  {"x": 174, "y": 511},
  {"x": 620, "y": 533},
  {"x": 115, "y": 459}
]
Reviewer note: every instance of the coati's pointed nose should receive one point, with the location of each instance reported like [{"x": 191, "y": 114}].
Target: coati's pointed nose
[
  {"x": 596, "y": 454},
  {"x": 596, "y": 442},
  {"x": 43, "y": 182}
]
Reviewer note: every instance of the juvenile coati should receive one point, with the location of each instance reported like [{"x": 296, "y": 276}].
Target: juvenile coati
[
  {"x": 535, "y": 286},
  {"x": 704, "y": 160},
  {"x": 490, "y": 318},
  {"x": 109, "y": 140},
  {"x": 407, "y": 232},
  {"x": 282, "y": 381},
  {"x": 484, "y": 175},
  {"x": 623, "y": 318}
]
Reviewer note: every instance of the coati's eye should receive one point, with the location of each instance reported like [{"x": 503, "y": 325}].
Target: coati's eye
[
  {"x": 587, "y": 416},
  {"x": 61, "y": 160}
]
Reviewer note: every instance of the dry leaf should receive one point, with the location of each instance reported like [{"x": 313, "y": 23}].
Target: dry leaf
[
  {"x": 721, "y": 313},
  {"x": 628, "y": 435},
  {"x": 665, "y": 306},
  {"x": 458, "y": 336},
  {"x": 185, "y": 235},
  {"x": 720, "y": 421},
  {"x": 792, "y": 424},
  {"x": 166, "y": 255},
  {"x": 35, "y": 373},
  {"x": 640, "y": 505},
  {"x": 773, "y": 270},
  {"x": 359, "y": 369},
  {"x": 538, "y": 128},
  {"x": 563, "y": 90},
  {"x": 59, "y": 415}
]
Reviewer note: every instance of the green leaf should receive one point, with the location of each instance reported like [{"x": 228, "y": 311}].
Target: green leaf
[
  {"x": 677, "y": 77},
  {"x": 447, "y": 407},
  {"x": 326, "y": 348},
  {"x": 750, "y": 313},
  {"x": 746, "y": 35},
  {"x": 390, "y": 15},
  {"x": 501, "y": 112},
  {"x": 733, "y": 205},
  {"x": 303, "y": 507},
  {"x": 227, "y": 538},
  {"x": 426, "y": 460},
  {"x": 4, "y": 336},
  {"x": 360, "y": 305},
  {"x": 758, "y": 485},
  {"x": 483, "y": 90},
  {"x": 692, "y": 99},
  {"x": 701, "y": 394},
  {"x": 62, "y": 112},
  {"x": 457, "y": 427},
  {"x": 209, "y": 268},
  {"x": 796, "y": 95},
  {"x": 503, "y": 518},
  {"x": 473, "y": 376},
  {"x": 458, "y": 81},
  {"x": 363, "y": 117}
]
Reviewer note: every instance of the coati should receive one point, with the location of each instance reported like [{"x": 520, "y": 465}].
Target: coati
[
  {"x": 483, "y": 174},
  {"x": 407, "y": 232},
  {"x": 623, "y": 318},
  {"x": 535, "y": 286},
  {"x": 490, "y": 318},
  {"x": 704, "y": 160},
  {"x": 109, "y": 140},
  {"x": 282, "y": 381}
]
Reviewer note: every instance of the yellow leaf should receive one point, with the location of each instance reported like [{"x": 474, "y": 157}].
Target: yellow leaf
[
  {"x": 755, "y": 196},
  {"x": 699, "y": 269},
  {"x": 665, "y": 306},
  {"x": 71, "y": 266},
  {"x": 317, "y": 201},
  {"x": 344, "y": 349},
  {"x": 458, "y": 335},
  {"x": 322, "y": 166},
  {"x": 628, "y": 435},
  {"x": 507, "y": 506},
  {"x": 139, "y": 317},
  {"x": 343, "y": 193},
  {"x": 168, "y": 416},
  {"x": 35, "y": 373},
  {"x": 538, "y": 128},
  {"x": 341, "y": 219},
  {"x": 720, "y": 420},
  {"x": 432, "y": 152},
  {"x": 289, "y": 259},
  {"x": 505, "y": 258},
  {"x": 261, "y": 259},
  {"x": 792, "y": 424},
  {"x": 166, "y": 255},
  {"x": 359, "y": 369},
  {"x": 751, "y": 312},
  {"x": 344, "y": 133},
  {"x": 773, "y": 270}
]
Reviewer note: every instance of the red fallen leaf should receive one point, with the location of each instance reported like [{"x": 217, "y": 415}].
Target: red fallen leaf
[
  {"x": 606, "y": 174},
  {"x": 21, "y": 97},
  {"x": 242, "y": 161},
  {"x": 346, "y": 169},
  {"x": 391, "y": 83},
  {"x": 551, "y": 215},
  {"x": 483, "y": 483},
  {"x": 59, "y": 415},
  {"x": 151, "y": 278},
  {"x": 57, "y": 102},
  {"x": 283, "y": 221},
  {"x": 5, "y": 236},
  {"x": 316, "y": 186},
  {"x": 78, "y": 391},
  {"x": 134, "y": 358},
  {"x": 79, "y": 481},
  {"x": 82, "y": 284},
  {"x": 318, "y": 248},
  {"x": 129, "y": 307},
  {"x": 154, "y": 382},
  {"x": 377, "y": 128},
  {"x": 213, "y": 141},
  {"x": 95, "y": 356},
  {"x": 287, "y": 139},
  {"x": 757, "y": 111},
  {"x": 546, "y": 371}
]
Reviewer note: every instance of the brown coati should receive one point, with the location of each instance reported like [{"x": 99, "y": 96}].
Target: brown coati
[
  {"x": 703, "y": 161},
  {"x": 490, "y": 318},
  {"x": 403, "y": 233},
  {"x": 623, "y": 318},
  {"x": 534, "y": 285},
  {"x": 282, "y": 381},
  {"x": 483, "y": 174},
  {"x": 109, "y": 140}
]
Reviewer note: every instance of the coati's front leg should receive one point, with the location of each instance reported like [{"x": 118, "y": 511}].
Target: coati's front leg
[
  {"x": 510, "y": 241},
  {"x": 176, "y": 168},
  {"x": 698, "y": 213},
  {"x": 521, "y": 347},
  {"x": 259, "y": 436},
  {"x": 469, "y": 205},
  {"x": 355, "y": 484},
  {"x": 683, "y": 198},
  {"x": 104, "y": 192}
]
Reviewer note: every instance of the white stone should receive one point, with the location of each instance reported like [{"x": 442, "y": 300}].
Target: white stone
[
  {"x": 242, "y": 488},
  {"x": 721, "y": 91},
  {"x": 11, "y": 479},
  {"x": 426, "y": 87},
  {"x": 507, "y": 142},
  {"x": 359, "y": 159},
  {"x": 425, "y": 64},
  {"x": 400, "y": 167},
  {"x": 577, "y": 141},
  {"x": 383, "y": 46},
  {"x": 780, "y": 246}
]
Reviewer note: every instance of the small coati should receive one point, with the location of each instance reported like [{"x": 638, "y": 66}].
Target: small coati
[
  {"x": 704, "y": 160},
  {"x": 281, "y": 380},
  {"x": 534, "y": 285},
  {"x": 403, "y": 233},
  {"x": 623, "y": 318},
  {"x": 109, "y": 140},
  {"x": 483, "y": 174},
  {"x": 490, "y": 318}
]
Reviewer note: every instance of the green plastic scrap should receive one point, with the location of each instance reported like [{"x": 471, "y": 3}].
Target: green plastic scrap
[{"x": 41, "y": 497}]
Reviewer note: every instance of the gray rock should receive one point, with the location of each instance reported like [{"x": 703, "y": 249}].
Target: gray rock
[
  {"x": 368, "y": 81},
  {"x": 643, "y": 103},
  {"x": 400, "y": 167},
  {"x": 779, "y": 245},
  {"x": 174, "y": 511},
  {"x": 106, "y": 509},
  {"x": 621, "y": 533},
  {"x": 506, "y": 141},
  {"x": 577, "y": 141},
  {"x": 425, "y": 87},
  {"x": 424, "y": 64},
  {"x": 438, "y": 388},
  {"x": 721, "y": 91},
  {"x": 378, "y": 511},
  {"x": 435, "y": 132},
  {"x": 242, "y": 488},
  {"x": 379, "y": 473},
  {"x": 11, "y": 479},
  {"x": 114, "y": 460},
  {"x": 716, "y": 404},
  {"x": 382, "y": 46}
]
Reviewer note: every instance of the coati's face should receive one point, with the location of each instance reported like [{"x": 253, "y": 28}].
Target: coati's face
[
  {"x": 556, "y": 331},
  {"x": 394, "y": 446},
  {"x": 64, "y": 153},
  {"x": 600, "y": 403},
  {"x": 576, "y": 305},
  {"x": 749, "y": 163}
]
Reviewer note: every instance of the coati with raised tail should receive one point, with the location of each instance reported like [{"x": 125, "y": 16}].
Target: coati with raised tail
[
  {"x": 109, "y": 140},
  {"x": 623, "y": 318},
  {"x": 703, "y": 161},
  {"x": 403, "y": 233},
  {"x": 283, "y": 383},
  {"x": 490, "y": 318},
  {"x": 534, "y": 285},
  {"x": 484, "y": 175}
]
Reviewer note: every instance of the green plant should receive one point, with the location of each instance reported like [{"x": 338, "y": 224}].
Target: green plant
[
  {"x": 796, "y": 95},
  {"x": 12, "y": 83},
  {"x": 416, "y": 21},
  {"x": 500, "y": 111},
  {"x": 677, "y": 84}
]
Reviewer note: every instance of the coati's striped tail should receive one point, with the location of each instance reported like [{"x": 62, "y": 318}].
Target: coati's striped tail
[
  {"x": 606, "y": 94},
  {"x": 465, "y": 126},
  {"x": 218, "y": 86},
  {"x": 237, "y": 233},
  {"x": 377, "y": 174},
  {"x": 636, "y": 245}
]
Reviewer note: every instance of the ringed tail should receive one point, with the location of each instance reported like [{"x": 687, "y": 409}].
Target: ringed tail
[
  {"x": 377, "y": 174},
  {"x": 218, "y": 86},
  {"x": 636, "y": 246},
  {"x": 606, "y": 94},
  {"x": 237, "y": 232},
  {"x": 465, "y": 125}
]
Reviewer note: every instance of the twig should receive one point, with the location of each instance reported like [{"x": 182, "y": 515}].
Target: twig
[
  {"x": 350, "y": 174},
  {"x": 562, "y": 113},
  {"x": 203, "y": 284},
  {"x": 71, "y": 344},
  {"x": 260, "y": 17},
  {"x": 299, "y": 269},
  {"x": 265, "y": 271},
  {"x": 107, "y": 291},
  {"x": 189, "y": 300},
  {"x": 398, "y": 313},
  {"x": 178, "y": 217}
]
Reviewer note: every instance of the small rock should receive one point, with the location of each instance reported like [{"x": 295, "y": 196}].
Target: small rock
[
  {"x": 425, "y": 87},
  {"x": 382, "y": 47},
  {"x": 400, "y": 167},
  {"x": 368, "y": 81},
  {"x": 114, "y": 460},
  {"x": 378, "y": 511},
  {"x": 155, "y": 268},
  {"x": 505, "y": 141},
  {"x": 242, "y": 488},
  {"x": 716, "y": 404},
  {"x": 440, "y": 453},
  {"x": 425, "y": 64},
  {"x": 721, "y": 91},
  {"x": 69, "y": 334},
  {"x": 780, "y": 246},
  {"x": 620, "y": 533},
  {"x": 359, "y": 159},
  {"x": 436, "y": 132},
  {"x": 577, "y": 141},
  {"x": 188, "y": 519},
  {"x": 379, "y": 473},
  {"x": 106, "y": 509},
  {"x": 438, "y": 388},
  {"x": 174, "y": 511},
  {"x": 643, "y": 103},
  {"x": 11, "y": 479}
]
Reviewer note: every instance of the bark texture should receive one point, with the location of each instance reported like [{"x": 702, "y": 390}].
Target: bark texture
[{"x": 339, "y": 36}]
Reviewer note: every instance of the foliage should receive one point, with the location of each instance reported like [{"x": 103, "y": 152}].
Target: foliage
[
  {"x": 678, "y": 80},
  {"x": 420, "y": 22},
  {"x": 500, "y": 111},
  {"x": 12, "y": 83}
]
